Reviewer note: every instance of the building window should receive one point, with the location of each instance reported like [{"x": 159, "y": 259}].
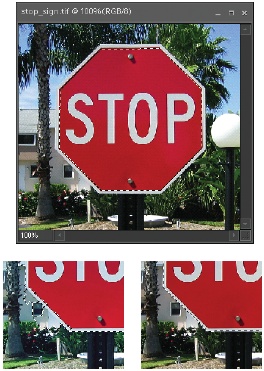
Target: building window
[
  {"x": 175, "y": 309},
  {"x": 67, "y": 171},
  {"x": 37, "y": 309},
  {"x": 27, "y": 139},
  {"x": 33, "y": 171}
]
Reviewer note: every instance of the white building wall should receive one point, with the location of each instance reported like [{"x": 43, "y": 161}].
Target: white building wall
[
  {"x": 184, "y": 319},
  {"x": 77, "y": 182},
  {"x": 47, "y": 319},
  {"x": 28, "y": 156},
  {"x": 28, "y": 181}
]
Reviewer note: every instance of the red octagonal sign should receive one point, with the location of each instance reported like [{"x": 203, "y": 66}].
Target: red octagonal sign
[
  {"x": 221, "y": 295},
  {"x": 84, "y": 295},
  {"x": 131, "y": 118}
]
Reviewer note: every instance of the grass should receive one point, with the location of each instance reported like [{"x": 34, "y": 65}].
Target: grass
[
  {"x": 30, "y": 360},
  {"x": 168, "y": 360},
  {"x": 62, "y": 223},
  {"x": 211, "y": 223},
  {"x": 52, "y": 224}
]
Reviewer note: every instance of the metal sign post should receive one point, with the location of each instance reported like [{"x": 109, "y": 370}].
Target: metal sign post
[
  {"x": 131, "y": 212},
  {"x": 100, "y": 350},
  {"x": 239, "y": 350}
]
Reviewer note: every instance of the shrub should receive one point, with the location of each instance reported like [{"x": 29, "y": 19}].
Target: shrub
[
  {"x": 27, "y": 203},
  {"x": 75, "y": 341},
  {"x": 214, "y": 342},
  {"x": 34, "y": 340},
  {"x": 5, "y": 337},
  {"x": 166, "y": 203},
  {"x": 172, "y": 340},
  {"x": 105, "y": 204},
  {"x": 257, "y": 341},
  {"x": 119, "y": 341},
  {"x": 64, "y": 202},
  {"x": 70, "y": 203},
  {"x": 37, "y": 341},
  {"x": 55, "y": 189}
]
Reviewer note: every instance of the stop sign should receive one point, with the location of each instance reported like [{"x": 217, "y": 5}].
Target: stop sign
[
  {"x": 84, "y": 295},
  {"x": 221, "y": 295},
  {"x": 131, "y": 118}
]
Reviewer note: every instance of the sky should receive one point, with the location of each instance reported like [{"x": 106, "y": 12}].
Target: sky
[{"x": 28, "y": 97}]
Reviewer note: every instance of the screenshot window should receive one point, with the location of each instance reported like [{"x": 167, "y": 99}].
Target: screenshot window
[{"x": 135, "y": 123}]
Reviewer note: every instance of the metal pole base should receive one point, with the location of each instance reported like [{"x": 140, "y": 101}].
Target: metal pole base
[
  {"x": 246, "y": 350},
  {"x": 100, "y": 350},
  {"x": 239, "y": 350},
  {"x": 229, "y": 189},
  {"x": 131, "y": 212}
]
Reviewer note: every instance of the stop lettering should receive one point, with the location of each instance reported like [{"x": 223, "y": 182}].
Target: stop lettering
[
  {"x": 131, "y": 112},
  {"x": 172, "y": 117}
]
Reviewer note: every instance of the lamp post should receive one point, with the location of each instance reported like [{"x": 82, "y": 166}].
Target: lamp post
[{"x": 226, "y": 134}]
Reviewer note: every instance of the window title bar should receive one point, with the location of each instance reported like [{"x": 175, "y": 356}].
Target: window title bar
[{"x": 87, "y": 12}]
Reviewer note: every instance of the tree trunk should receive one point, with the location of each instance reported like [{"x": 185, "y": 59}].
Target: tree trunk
[
  {"x": 41, "y": 38},
  {"x": 14, "y": 347},
  {"x": 152, "y": 347}
]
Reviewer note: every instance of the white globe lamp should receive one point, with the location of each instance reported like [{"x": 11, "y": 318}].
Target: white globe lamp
[{"x": 226, "y": 131}]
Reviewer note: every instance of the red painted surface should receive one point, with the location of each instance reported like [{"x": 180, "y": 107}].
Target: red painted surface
[
  {"x": 219, "y": 294},
  {"x": 111, "y": 156},
  {"x": 80, "y": 298}
]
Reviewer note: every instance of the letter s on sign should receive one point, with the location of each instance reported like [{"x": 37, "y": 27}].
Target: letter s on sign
[
  {"x": 189, "y": 277},
  {"x": 51, "y": 277},
  {"x": 82, "y": 117}
]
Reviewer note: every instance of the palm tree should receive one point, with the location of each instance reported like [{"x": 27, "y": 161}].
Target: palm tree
[
  {"x": 40, "y": 46},
  {"x": 14, "y": 347},
  {"x": 55, "y": 47},
  {"x": 152, "y": 347},
  {"x": 203, "y": 57},
  {"x": 74, "y": 42}
]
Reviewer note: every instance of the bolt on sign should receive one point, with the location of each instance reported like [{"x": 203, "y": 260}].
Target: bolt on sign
[
  {"x": 222, "y": 295},
  {"x": 131, "y": 118},
  {"x": 86, "y": 296}
]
